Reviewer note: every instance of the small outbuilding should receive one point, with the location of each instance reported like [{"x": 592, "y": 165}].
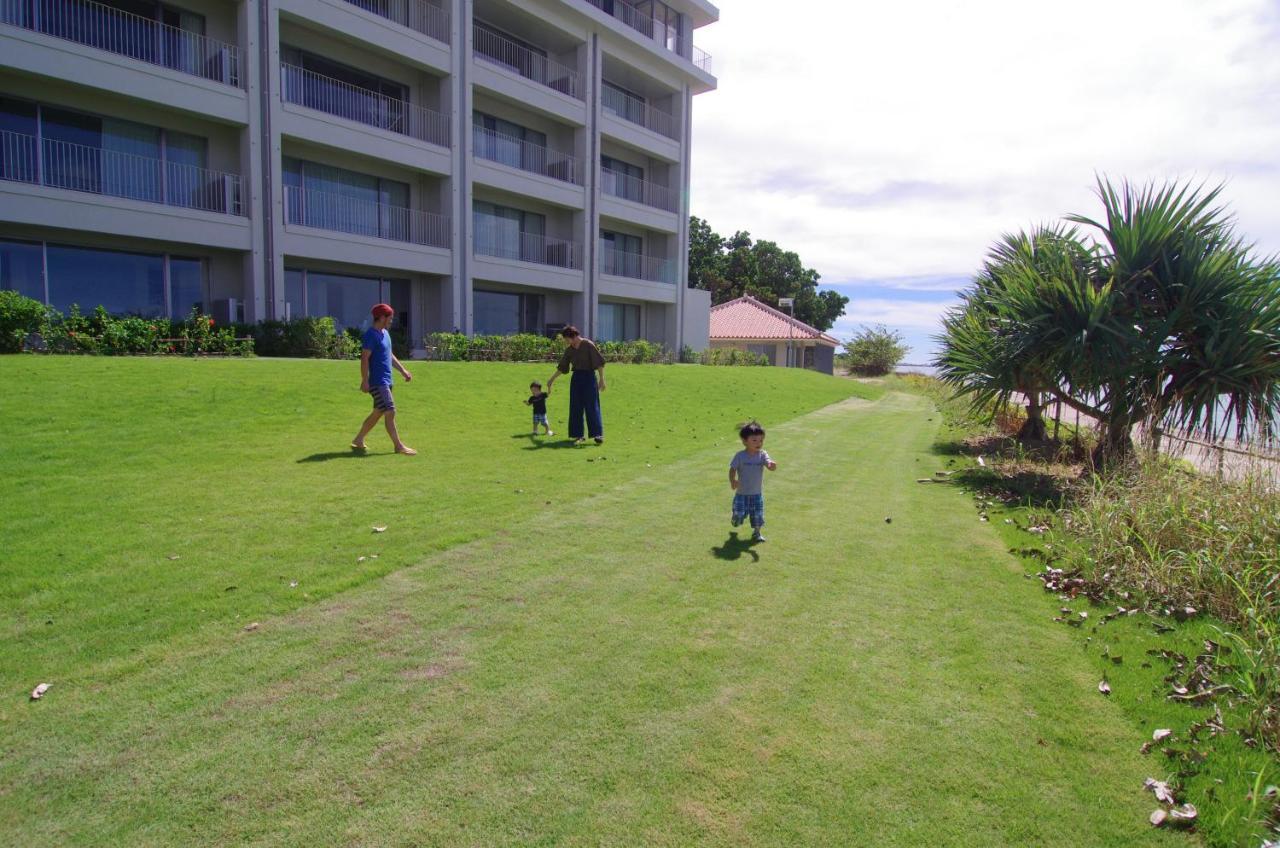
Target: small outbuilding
[{"x": 747, "y": 324}]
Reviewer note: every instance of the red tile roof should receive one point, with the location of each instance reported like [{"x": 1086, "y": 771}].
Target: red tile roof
[{"x": 748, "y": 318}]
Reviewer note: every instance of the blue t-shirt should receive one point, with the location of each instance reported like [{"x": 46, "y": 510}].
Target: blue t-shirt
[{"x": 378, "y": 343}]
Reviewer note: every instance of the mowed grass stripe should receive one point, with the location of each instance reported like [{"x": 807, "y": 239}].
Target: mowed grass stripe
[
  {"x": 606, "y": 677},
  {"x": 240, "y": 469}
]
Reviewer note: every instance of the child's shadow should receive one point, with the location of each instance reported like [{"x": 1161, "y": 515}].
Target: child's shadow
[{"x": 734, "y": 548}]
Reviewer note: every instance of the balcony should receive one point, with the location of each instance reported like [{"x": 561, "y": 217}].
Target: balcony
[
  {"x": 636, "y": 111},
  {"x": 518, "y": 153},
  {"x": 78, "y": 167},
  {"x": 343, "y": 100},
  {"x": 518, "y": 59},
  {"x": 632, "y": 188},
  {"x": 345, "y": 214},
  {"x": 416, "y": 15},
  {"x": 620, "y": 263},
  {"x": 126, "y": 34},
  {"x": 664, "y": 36},
  {"x": 495, "y": 239}
]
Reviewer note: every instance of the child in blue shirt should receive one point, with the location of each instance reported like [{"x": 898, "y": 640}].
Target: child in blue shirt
[
  {"x": 376, "y": 362},
  {"x": 746, "y": 478}
]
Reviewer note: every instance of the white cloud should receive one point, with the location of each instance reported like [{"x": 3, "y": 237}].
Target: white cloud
[{"x": 898, "y": 140}]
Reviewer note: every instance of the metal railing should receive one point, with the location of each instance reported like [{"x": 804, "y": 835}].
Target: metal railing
[
  {"x": 641, "y": 191},
  {"x": 519, "y": 59},
  {"x": 645, "y": 24},
  {"x": 496, "y": 238},
  {"x": 340, "y": 213},
  {"x": 126, "y": 34},
  {"x": 78, "y": 167},
  {"x": 335, "y": 97},
  {"x": 527, "y": 156},
  {"x": 416, "y": 15},
  {"x": 701, "y": 59},
  {"x": 621, "y": 263},
  {"x": 636, "y": 111}
]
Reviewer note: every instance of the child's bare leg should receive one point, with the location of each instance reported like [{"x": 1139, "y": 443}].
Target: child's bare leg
[
  {"x": 390, "y": 420},
  {"x": 358, "y": 441}
]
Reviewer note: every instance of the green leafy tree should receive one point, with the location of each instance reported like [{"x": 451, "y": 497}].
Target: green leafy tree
[
  {"x": 732, "y": 267},
  {"x": 874, "y": 351},
  {"x": 1168, "y": 317},
  {"x": 20, "y": 316}
]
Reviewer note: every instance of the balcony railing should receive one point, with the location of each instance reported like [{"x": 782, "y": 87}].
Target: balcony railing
[
  {"x": 620, "y": 263},
  {"x": 334, "y": 97},
  {"x": 646, "y": 25},
  {"x": 636, "y": 111},
  {"x": 519, "y": 59},
  {"x": 78, "y": 167},
  {"x": 343, "y": 214},
  {"x": 518, "y": 153},
  {"x": 641, "y": 191},
  {"x": 126, "y": 34},
  {"x": 498, "y": 238},
  {"x": 417, "y": 15}
]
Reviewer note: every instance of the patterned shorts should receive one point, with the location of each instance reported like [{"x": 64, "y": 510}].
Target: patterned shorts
[
  {"x": 539, "y": 419},
  {"x": 382, "y": 398},
  {"x": 748, "y": 506}
]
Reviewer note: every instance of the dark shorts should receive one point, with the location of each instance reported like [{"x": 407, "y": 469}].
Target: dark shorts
[
  {"x": 748, "y": 506},
  {"x": 382, "y": 398}
]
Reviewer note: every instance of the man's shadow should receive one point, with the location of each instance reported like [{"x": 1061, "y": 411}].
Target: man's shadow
[{"x": 734, "y": 548}]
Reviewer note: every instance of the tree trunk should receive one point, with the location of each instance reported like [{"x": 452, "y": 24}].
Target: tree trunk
[
  {"x": 1033, "y": 429},
  {"x": 1115, "y": 445}
]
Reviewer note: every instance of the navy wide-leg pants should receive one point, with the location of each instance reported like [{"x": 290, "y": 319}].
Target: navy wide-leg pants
[{"x": 584, "y": 399}]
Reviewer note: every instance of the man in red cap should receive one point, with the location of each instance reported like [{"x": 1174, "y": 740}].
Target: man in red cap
[{"x": 376, "y": 361}]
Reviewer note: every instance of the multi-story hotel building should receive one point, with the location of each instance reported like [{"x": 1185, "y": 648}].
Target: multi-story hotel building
[{"x": 490, "y": 166}]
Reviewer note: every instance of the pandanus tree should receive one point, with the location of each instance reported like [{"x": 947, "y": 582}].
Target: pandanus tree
[
  {"x": 1167, "y": 318},
  {"x": 1000, "y": 341}
]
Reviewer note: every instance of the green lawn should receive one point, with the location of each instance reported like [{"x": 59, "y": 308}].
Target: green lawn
[{"x": 553, "y": 646}]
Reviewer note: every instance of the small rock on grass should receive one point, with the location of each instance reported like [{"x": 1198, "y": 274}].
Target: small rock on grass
[
  {"x": 1104, "y": 688},
  {"x": 38, "y": 692},
  {"x": 249, "y": 628}
]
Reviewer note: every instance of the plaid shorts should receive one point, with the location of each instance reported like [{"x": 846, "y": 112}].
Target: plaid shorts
[
  {"x": 748, "y": 506},
  {"x": 539, "y": 419},
  {"x": 382, "y": 398}
]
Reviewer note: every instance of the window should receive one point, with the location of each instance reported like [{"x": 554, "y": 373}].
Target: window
[
  {"x": 331, "y": 198},
  {"x": 509, "y": 233},
  {"x": 344, "y": 298},
  {"x": 621, "y": 254},
  {"x": 124, "y": 283},
  {"x": 619, "y": 322},
  {"x": 622, "y": 179},
  {"x": 769, "y": 350},
  {"x": 616, "y": 100},
  {"x": 509, "y": 143},
  {"x": 514, "y": 54},
  {"x": 319, "y": 83},
  {"x": 128, "y": 36},
  {"x": 85, "y": 152},
  {"x": 22, "y": 268},
  {"x": 505, "y": 313}
]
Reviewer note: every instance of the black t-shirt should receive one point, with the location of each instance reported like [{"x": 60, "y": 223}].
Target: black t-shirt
[{"x": 539, "y": 403}]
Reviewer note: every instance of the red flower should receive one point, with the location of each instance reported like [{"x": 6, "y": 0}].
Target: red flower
[{"x": 210, "y": 322}]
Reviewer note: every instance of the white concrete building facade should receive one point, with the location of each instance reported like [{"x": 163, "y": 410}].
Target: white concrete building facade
[{"x": 489, "y": 166}]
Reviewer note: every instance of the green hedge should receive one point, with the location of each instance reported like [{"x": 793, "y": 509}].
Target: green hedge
[
  {"x": 102, "y": 333},
  {"x": 527, "y": 347}
]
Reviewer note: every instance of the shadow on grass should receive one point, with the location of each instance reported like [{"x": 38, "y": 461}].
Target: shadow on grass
[
  {"x": 558, "y": 444},
  {"x": 734, "y": 548},
  {"x": 328, "y": 455},
  {"x": 1019, "y": 488}
]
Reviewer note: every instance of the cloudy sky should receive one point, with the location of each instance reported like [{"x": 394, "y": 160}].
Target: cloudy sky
[{"x": 890, "y": 143}]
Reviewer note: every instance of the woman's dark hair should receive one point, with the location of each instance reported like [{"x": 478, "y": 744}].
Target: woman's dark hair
[
  {"x": 570, "y": 331},
  {"x": 535, "y": 385},
  {"x": 751, "y": 428}
]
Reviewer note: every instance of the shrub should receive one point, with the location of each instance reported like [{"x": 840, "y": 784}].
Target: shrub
[
  {"x": 732, "y": 356},
  {"x": 19, "y": 317},
  {"x": 689, "y": 356},
  {"x": 307, "y": 337},
  {"x": 874, "y": 351}
]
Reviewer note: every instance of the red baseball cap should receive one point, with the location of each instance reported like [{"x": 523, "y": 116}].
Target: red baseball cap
[{"x": 382, "y": 311}]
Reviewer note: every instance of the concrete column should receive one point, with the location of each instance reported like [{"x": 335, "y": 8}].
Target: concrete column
[{"x": 254, "y": 266}]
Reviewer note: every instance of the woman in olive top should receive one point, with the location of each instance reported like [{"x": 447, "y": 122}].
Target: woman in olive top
[{"x": 582, "y": 357}]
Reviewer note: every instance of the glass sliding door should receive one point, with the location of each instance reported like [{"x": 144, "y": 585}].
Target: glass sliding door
[
  {"x": 22, "y": 268},
  {"x": 122, "y": 283}
]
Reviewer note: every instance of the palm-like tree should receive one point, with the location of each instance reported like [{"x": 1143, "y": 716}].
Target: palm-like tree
[
  {"x": 1168, "y": 318},
  {"x": 1000, "y": 341},
  {"x": 1188, "y": 334}
]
